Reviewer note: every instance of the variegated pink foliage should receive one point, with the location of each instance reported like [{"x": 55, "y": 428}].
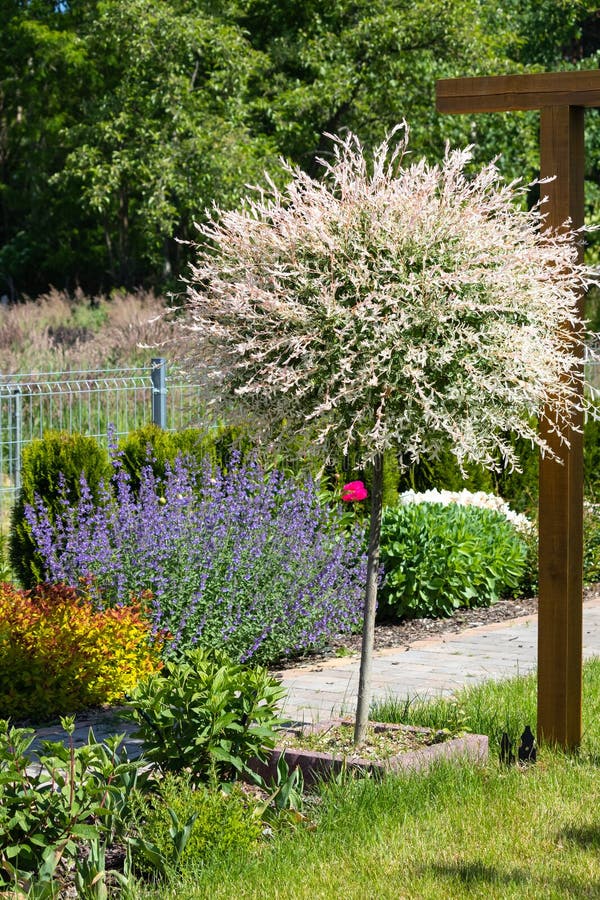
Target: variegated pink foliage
[{"x": 395, "y": 303}]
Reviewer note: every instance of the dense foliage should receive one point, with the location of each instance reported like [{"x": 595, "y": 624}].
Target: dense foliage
[
  {"x": 438, "y": 558},
  {"x": 67, "y": 811},
  {"x": 51, "y": 467},
  {"x": 217, "y": 823},
  {"x": 68, "y": 798},
  {"x": 121, "y": 122},
  {"x": 252, "y": 562},
  {"x": 591, "y": 543},
  {"x": 59, "y": 654},
  {"x": 394, "y": 305},
  {"x": 206, "y": 714},
  {"x": 152, "y": 446}
]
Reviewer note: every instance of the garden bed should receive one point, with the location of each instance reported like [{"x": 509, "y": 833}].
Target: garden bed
[{"x": 405, "y": 748}]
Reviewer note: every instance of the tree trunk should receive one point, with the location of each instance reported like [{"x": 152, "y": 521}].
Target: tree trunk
[
  {"x": 125, "y": 263},
  {"x": 368, "y": 636}
]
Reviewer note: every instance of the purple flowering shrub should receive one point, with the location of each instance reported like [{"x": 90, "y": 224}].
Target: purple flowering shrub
[{"x": 251, "y": 562}]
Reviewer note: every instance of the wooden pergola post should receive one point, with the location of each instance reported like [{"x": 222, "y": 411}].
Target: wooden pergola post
[{"x": 561, "y": 98}]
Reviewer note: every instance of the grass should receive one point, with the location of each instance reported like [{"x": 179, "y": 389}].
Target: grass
[
  {"x": 459, "y": 831},
  {"x": 494, "y": 707},
  {"x": 66, "y": 333}
]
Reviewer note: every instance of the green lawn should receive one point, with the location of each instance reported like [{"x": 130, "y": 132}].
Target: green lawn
[{"x": 459, "y": 831}]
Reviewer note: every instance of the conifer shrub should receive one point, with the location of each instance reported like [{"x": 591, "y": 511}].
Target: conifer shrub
[
  {"x": 443, "y": 472},
  {"x": 59, "y": 653},
  {"x": 519, "y": 487},
  {"x": 591, "y": 459},
  {"x": 591, "y": 543},
  {"x": 51, "y": 468},
  {"x": 154, "y": 447}
]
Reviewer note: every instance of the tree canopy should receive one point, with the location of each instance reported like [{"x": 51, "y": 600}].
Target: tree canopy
[
  {"x": 398, "y": 306},
  {"x": 121, "y": 122}
]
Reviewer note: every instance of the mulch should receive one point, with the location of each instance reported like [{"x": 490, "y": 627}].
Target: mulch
[{"x": 404, "y": 634}]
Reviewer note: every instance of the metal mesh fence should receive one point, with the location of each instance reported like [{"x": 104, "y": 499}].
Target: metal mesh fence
[
  {"x": 592, "y": 368},
  {"x": 90, "y": 402}
]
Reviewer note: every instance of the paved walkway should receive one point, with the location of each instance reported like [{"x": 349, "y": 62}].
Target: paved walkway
[{"x": 432, "y": 667}]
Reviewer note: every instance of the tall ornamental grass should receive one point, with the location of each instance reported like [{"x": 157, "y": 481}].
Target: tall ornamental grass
[{"x": 251, "y": 562}]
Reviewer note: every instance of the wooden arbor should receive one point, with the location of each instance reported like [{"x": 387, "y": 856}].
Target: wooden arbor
[{"x": 561, "y": 98}]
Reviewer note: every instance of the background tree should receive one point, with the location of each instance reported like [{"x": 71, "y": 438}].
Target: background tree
[
  {"x": 42, "y": 84},
  {"x": 120, "y": 122},
  {"x": 392, "y": 305},
  {"x": 167, "y": 133}
]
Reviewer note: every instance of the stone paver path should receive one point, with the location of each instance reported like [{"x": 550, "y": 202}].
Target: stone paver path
[{"x": 432, "y": 667}]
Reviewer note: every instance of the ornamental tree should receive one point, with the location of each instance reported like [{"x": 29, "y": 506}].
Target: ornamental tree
[{"x": 393, "y": 304}]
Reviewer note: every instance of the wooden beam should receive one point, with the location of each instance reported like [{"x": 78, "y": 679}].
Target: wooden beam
[
  {"x": 504, "y": 93},
  {"x": 561, "y": 97},
  {"x": 560, "y": 648}
]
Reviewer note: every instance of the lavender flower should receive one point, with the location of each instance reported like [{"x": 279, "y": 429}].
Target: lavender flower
[{"x": 253, "y": 562}]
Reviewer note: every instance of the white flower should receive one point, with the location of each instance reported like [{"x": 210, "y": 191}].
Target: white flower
[{"x": 468, "y": 498}]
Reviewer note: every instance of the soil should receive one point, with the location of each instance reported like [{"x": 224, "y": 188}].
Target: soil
[
  {"x": 380, "y": 743},
  {"x": 405, "y": 633}
]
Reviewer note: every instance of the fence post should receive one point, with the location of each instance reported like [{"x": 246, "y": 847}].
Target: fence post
[
  {"x": 159, "y": 392},
  {"x": 16, "y": 437}
]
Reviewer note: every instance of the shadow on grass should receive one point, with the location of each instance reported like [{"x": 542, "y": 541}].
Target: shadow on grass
[
  {"x": 586, "y": 836},
  {"x": 471, "y": 873},
  {"x": 477, "y": 874}
]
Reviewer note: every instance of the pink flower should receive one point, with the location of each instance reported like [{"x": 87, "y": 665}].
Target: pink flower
[{"x": 354, "y": 491}]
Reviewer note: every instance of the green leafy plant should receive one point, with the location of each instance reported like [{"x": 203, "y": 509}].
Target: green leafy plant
[
  {"x": 528, "y": 584},
  {"x": 53, "y": 800},
  {"x": 437, "y": 558},
  {"x": 591, "y": 457},
  {"x": 591, "y": 543},
  {"x": 183, "y": 823},
  {"x": 209, "y": 715},
  {"x": 91, "y": 876},
  {"x": 46, "y": 462},
  {"x": 287, "y": 787}
]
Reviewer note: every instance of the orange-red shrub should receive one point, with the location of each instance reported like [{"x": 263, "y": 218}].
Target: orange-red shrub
[{"x": 58, "y": 653}]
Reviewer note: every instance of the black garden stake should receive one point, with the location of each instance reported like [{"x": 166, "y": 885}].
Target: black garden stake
[{"x": 527, "y": 751}]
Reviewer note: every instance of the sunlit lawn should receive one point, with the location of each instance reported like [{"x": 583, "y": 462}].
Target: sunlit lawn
[{"x": 459, "y": 831}]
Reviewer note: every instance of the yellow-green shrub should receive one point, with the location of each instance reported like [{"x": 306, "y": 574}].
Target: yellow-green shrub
[
  {"x": 59, "y": 653},
  {"x": 221, "y": 823},
  {"x": 45, "y": 462}
]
